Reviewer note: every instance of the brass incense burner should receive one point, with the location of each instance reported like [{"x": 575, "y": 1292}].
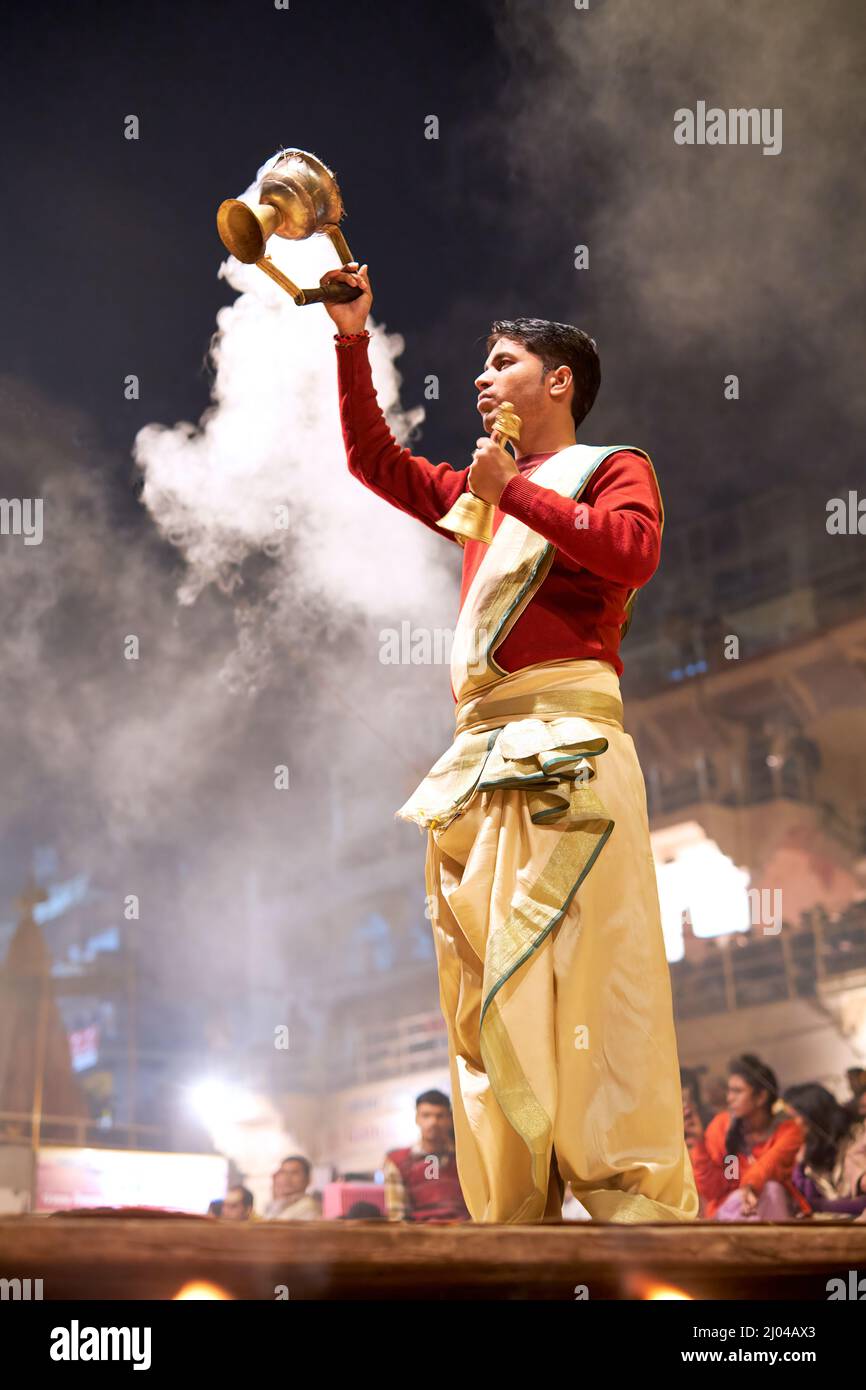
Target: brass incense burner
[
  {"x": 298, "y": 198},
  {"x": 471, "y": 518}
]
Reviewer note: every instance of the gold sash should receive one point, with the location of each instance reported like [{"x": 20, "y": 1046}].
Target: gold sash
[
  {"x": 514, "y": 567},
  {"x": 536, "y": 729}
]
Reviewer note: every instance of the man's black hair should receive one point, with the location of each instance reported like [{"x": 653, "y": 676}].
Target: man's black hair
[
  {"x": 433, "y": 1098},
  {"x": 246, "y": 1195},
  {"x": 558, "y": 345}
]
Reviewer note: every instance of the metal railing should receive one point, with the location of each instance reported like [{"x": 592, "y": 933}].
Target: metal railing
[
  {"x": 16, "y": 1127},
  {"x": 767, "y": 563},
  {"x": 744, "y": 971},
  {"x": 400, "y": 1047}
]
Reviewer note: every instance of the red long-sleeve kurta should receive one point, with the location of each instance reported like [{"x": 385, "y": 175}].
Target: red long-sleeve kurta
[
  {"x": 771, "y": 1160},
  {"x": 578, "y": 610}
]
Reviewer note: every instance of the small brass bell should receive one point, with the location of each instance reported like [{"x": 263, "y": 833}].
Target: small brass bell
[{"x": 471, "y": 518}]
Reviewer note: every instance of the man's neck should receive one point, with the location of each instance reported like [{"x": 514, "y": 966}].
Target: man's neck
[{"x": 546, "y": 441}]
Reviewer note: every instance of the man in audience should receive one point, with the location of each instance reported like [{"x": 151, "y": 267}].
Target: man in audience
[
  {"x": 421, "y": 1182},
  {"x": 291, "y": 1201},
  {"x": 237, "y": 1204}
]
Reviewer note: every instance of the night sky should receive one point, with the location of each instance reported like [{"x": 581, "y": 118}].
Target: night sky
[
  {"x": 552, "y": 123},
  {"x": 112, "y": 267}
]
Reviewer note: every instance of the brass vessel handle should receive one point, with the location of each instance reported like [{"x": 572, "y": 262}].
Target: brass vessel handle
[{"x": 335, "y": 293}]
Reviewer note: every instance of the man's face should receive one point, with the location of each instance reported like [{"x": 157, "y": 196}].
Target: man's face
[
  {"x": 280, "y": 1184},
  {"x": 434, "y": 1125},
  {"x": 294, "y": 1179},
  {"x": 233, "y": 1206},
  {"x": 513, "y": 373}
]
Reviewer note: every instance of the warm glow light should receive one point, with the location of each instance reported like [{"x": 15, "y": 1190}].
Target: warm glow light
[
  {"x": 201, "y": 1289},
  {"x": 642, "y": 1285},
  {"x": 215, "y": 1101},
  {"x": 245, "y": 1126},
  {"x": 666, "y": 1293},
  {"x": 694, "y": 876}
]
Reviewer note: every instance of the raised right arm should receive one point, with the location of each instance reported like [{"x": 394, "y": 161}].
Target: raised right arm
[
  {"x": 413, "y": 484},
  {"x": 410, "y": 483}
]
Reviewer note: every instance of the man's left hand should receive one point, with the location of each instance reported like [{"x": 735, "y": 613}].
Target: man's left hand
[{"x": 491, "y": 469}]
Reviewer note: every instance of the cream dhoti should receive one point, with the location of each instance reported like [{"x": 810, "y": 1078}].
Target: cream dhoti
[
  {"x": 542, "y": 894},
  {"x": 552, "y": 972}
]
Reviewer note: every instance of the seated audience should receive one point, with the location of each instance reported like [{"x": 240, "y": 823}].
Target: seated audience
[
  {"x": 421, "y": 1182},
  {"x": 237, "y": 1204},
  {"x": 363, "y": 1211},
  {"x": 290, "y": 1200},
  {"x": 743, "y": 1160},
  {"x": 830, "y": 1170},
  {"x": 690, "y": 1082},
  {"x": 856, "y": 1106}
]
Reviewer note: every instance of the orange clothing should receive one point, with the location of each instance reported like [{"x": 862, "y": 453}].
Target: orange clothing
[{"x": 770, "y": 1160}]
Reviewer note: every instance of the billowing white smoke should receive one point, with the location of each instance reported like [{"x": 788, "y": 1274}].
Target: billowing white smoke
[
  {"x": 718, "y": 248},
  {"x": 270, "y": 448}
]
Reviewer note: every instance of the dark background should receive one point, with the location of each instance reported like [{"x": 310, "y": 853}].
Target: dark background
[{"x": 556, "y": 125}]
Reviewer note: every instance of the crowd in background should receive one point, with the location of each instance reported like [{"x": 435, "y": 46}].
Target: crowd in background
[
  {"x": 766, "y": 1155},
  {"x": 757, "y": 1153},
  {"x": 290, "y": 1199},
  {"x": 420, "y": 1181}
]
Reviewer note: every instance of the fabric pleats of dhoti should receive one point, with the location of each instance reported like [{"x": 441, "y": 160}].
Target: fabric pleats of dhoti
[{"x": 553, "y": 979}]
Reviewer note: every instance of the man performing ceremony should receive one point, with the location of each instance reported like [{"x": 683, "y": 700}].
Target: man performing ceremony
[
  {"x": 398, "y": 903},
  {"x": 540, "y": 877}
]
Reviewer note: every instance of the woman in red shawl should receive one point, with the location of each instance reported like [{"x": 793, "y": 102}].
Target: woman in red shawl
[{"x": 744, "y": 1160}]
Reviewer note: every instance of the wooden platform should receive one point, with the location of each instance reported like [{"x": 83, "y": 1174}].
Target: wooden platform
[{"x": 153, "y": 1257}]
